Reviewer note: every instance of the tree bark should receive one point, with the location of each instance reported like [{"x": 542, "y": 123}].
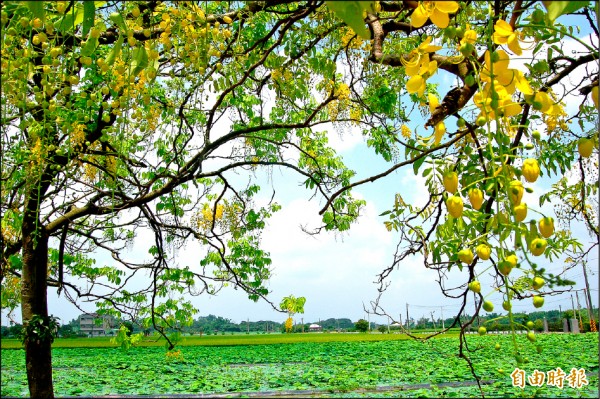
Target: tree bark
[{"x": 34, "y": 301}]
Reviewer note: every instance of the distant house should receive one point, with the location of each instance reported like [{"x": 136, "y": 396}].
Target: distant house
[
  {"x": 94, "y": 324},
  {"x": 315, "y": 327}
]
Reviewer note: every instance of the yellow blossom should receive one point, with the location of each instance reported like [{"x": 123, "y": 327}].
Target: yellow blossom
[
  {"x": 439, "y": 130},
  {"x": 504, "y": 34},
  {"x": 437, "y": 11},
  {"x": 416, "y": 84},
  {"x": 406, "y": 132},
  {"x": 495, "y": 100},
  {"x": 470, "y": 36},
  {"x": 507, "y": 77},
  {"x": 419, "y": 66},
  {"x": 434, "y": 102}
]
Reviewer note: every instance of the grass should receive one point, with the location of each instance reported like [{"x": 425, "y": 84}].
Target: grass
[{"x": 224, "y": 340}]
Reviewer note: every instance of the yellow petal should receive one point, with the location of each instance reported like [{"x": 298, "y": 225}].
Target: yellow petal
[
  {"x": 543, "y": 98},
  {"x": 503, "y": 28},
  {"x": 502, "y": 63},
  {"x": 426, "y": 48},
  {"x": 513, "y": 44},
  {"x": 522, "y": 83},
  {"x": 498, "y": 38},
  {"x": 470, "y": 37},
  {"x": 449, "y": 7},
  {"x": 415, "y": 84},
  {"x": 555, "y": 109},
  {"x": 439, "y": 18},
  {"x": 433, "y": 65},
  {"x": 433, "y": 102},
  {"x": 506, "y": 77},
  {"x": 511, "y": 109},
  {"x": 431, "y": 49},
  {"x": 419, "y": 16},
  {"x": 488, "y": 59},
  {"x": 440, "y": 129},
  {"x": 412, "y": 70}
]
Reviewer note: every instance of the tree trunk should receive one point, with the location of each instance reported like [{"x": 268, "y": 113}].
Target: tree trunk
[{"x": 34, "y": 301}]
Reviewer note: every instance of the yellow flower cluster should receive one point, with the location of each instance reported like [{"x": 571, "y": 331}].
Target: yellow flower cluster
[
  {"x": 419, "y": 67},
  {"x": 77, "y": 136},
  {"x": 89, "y": 172},
  {"x": 351, "y": 40},
  {"x": 356, "y": 114},
  {"x": 406, "y": 132},
  {"x": 174, "y": 355},
  {"x": 204, "y": 218},
  {"x": 289, "y": 324},
  {"x": 504, "y": 34},
  {"x": 281, "y": 76},
  {"x": 38, "y": 153},
  {"x": 342, "y": 101},
  {"x": 495, "y": 99},
  {"x": 437, "y": 11},
  {"x": 9, "y": 234}
]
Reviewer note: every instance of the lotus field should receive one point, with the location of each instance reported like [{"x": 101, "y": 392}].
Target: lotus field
[{"x": 352, "y": 365}]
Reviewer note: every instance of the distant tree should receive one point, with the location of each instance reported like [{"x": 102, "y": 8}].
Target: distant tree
[
  {"x": 66, "y": 331},
  {"x": 15, "y": 330},
  {"x": 361, "y": 325},
  {"x": 538, "y": 325},
  {"x": 382, "y": 328}
]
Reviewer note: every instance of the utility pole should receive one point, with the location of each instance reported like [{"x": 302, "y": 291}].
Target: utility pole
[
  {"x": 587, "y": 287},
  {"x": 369, "y": 320},
  {"x": 432, "y": 320},
  {"x": 579, "y": 310},
  {"x": 588, "y": 296},
  {"x": 590, "y": 311},
  {"x": 407, "y": 319},
  {"x": 442, "y": 314}
]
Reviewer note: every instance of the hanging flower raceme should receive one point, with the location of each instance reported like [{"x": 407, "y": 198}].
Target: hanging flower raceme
[
  {"x": 437, "y": 11},
  {"x": 420, "y": 67},
  {"x": 504, "y": 34}
]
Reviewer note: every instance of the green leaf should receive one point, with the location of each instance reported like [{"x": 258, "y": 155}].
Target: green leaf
[
  {"x": 139, "y": 61},
  {"x": 418, "y": 164},
  {"x": 351, "y": 12},
  {"x": 558, "y": 8},
  {"x": 68, "y": 22},
  {"x": 90, "y": 46},
  {"x": 115, "y": 50},
  {"x": 89, "y": 12},
  {"x": 37, "y": 9}
]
